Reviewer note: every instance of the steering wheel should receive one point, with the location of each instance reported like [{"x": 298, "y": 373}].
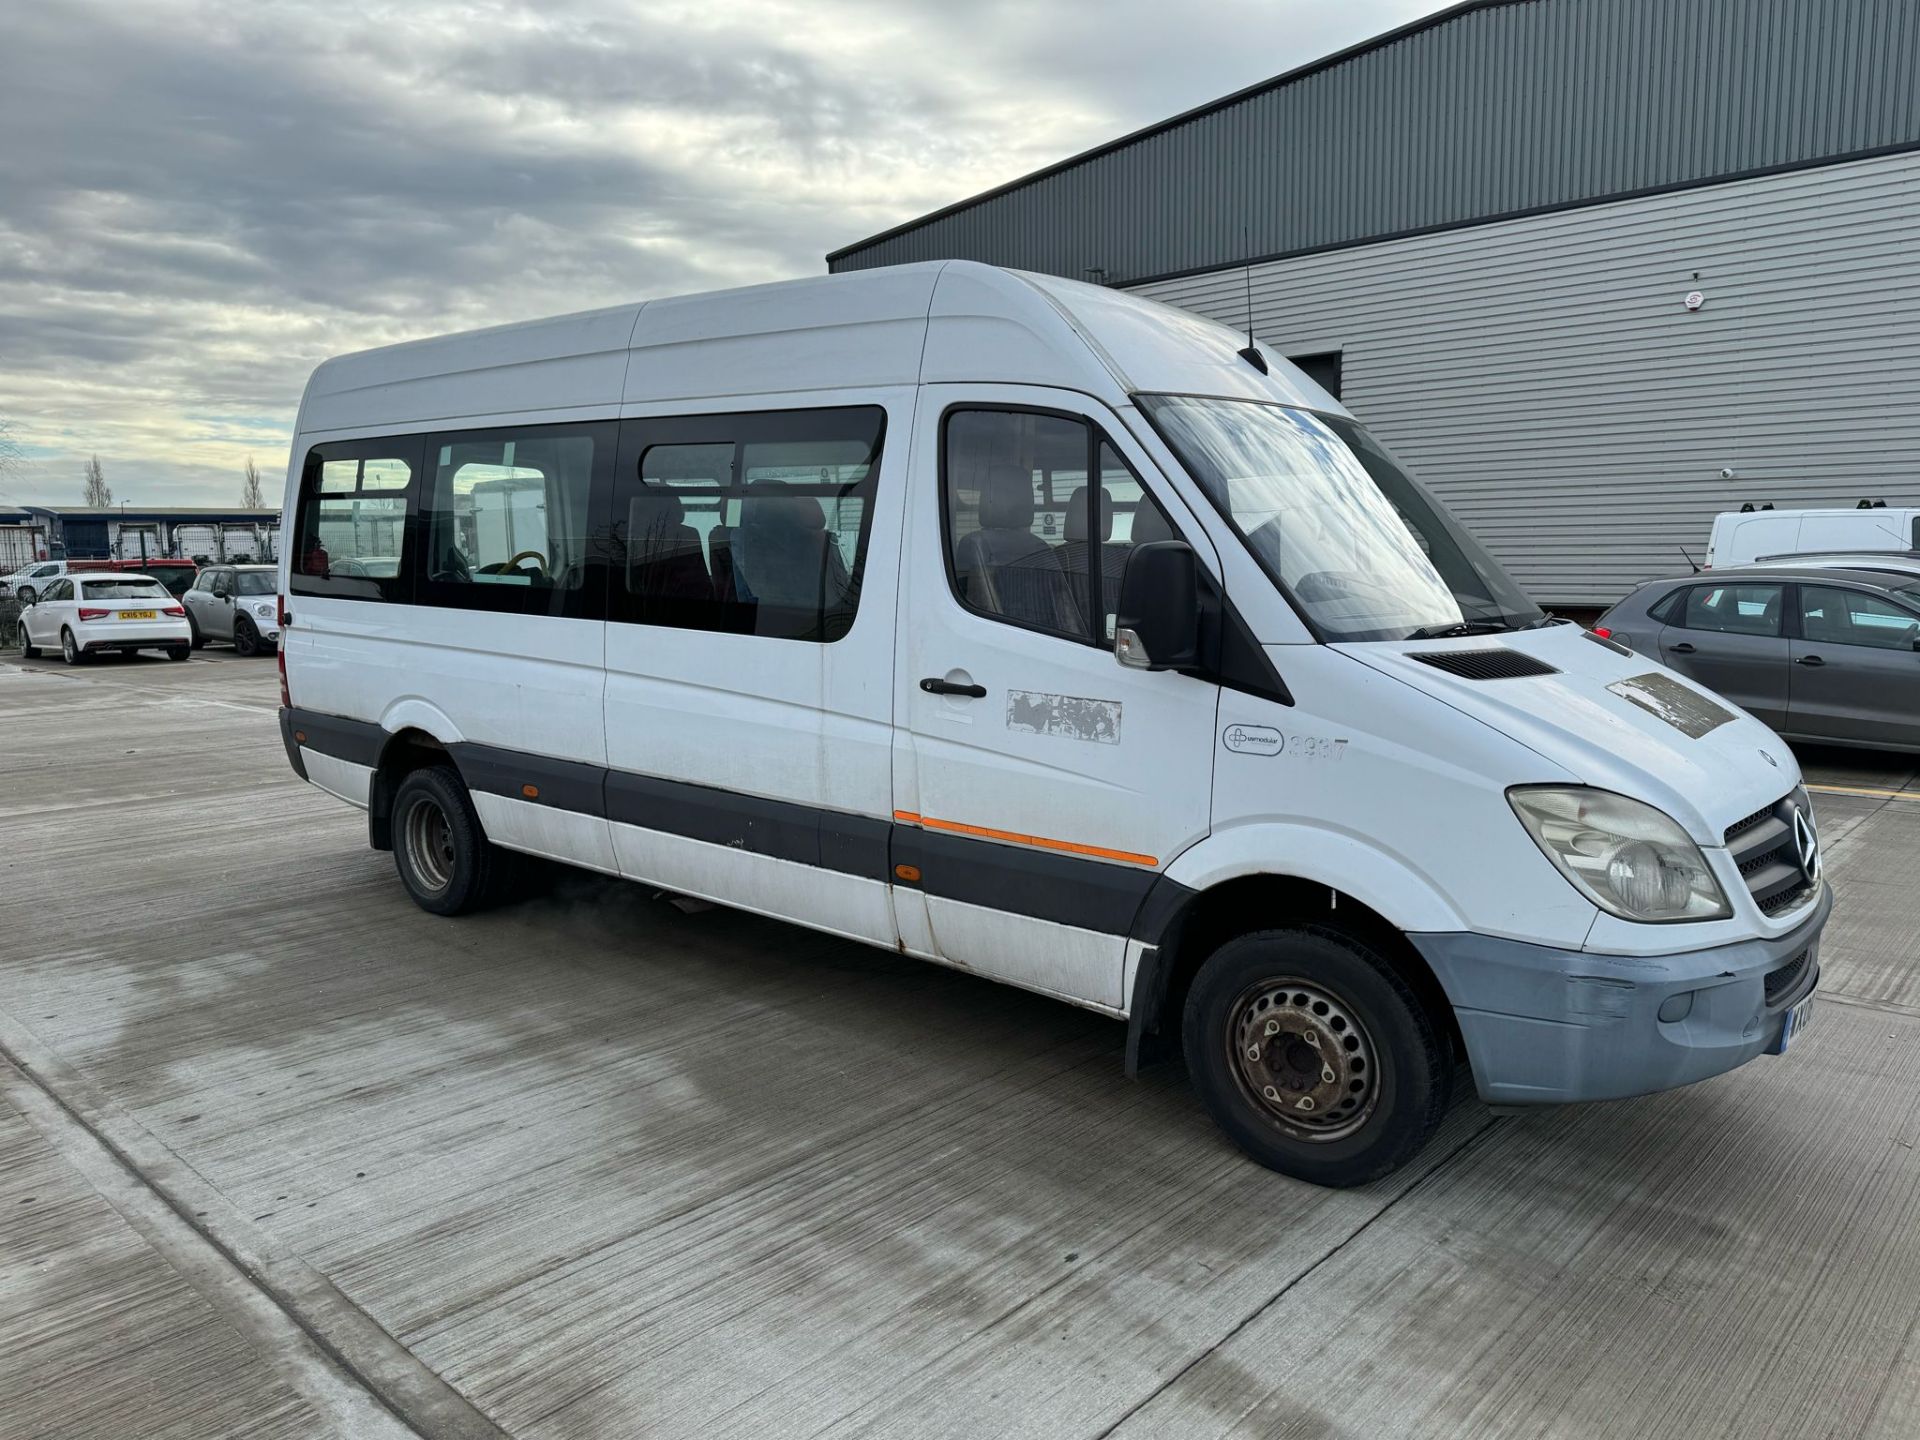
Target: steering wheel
[
  {"x": 533, "y": 555},
  {"x": 456, "y": 567}
]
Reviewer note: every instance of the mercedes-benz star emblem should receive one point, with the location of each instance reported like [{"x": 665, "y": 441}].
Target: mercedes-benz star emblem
[{"x": 1806, "y": 844}]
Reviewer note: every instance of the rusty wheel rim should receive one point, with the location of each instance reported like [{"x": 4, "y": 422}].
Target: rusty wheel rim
[
  {"x": 1303, "y": 1057},
  {"x": 430, "y": 845}
]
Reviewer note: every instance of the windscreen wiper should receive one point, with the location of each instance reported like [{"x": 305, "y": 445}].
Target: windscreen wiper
[{"x": 1463, "y": 627}]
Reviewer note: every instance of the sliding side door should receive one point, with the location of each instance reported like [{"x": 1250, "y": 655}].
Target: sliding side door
[{"x": 750, "y": 657}]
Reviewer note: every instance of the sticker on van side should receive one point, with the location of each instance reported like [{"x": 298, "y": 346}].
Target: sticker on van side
[
  {"x": 1073, "y": 717},
  {"x": 1253, "y": 740}
]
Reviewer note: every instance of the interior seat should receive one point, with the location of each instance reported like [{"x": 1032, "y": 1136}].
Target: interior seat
[
  {"x": 1006, "y": 569},
  {"x": 784, "y": 558},
  {"x": 664, "y": 559}
]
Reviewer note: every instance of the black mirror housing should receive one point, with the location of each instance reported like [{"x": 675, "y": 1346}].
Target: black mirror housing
[{"x": 1158, "y": 623}]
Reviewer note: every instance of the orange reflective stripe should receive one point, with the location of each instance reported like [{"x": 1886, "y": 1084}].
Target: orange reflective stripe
[{"x": 1071, "y": 847}]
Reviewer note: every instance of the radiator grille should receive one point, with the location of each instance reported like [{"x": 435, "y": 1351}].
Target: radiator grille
[{"x": 1763, "y": 847}]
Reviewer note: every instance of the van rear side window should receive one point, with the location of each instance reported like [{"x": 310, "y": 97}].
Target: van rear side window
[
  {"x": 351, "y": 525},
  {"x": 752, "y": 523},
  {"x": 507, "y": 520}
]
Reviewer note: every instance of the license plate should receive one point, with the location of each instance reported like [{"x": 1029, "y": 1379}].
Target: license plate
[
  {"x": 1795, "y": 1025},
  {"x": 139, "y": 614}
]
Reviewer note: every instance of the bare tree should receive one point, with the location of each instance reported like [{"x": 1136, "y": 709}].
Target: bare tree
[
  {"x": 99, "y": 495},
  {"x": 250, "y": 496}
]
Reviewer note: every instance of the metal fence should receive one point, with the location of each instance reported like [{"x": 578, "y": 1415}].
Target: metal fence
[{"x": 20, "y": 545}]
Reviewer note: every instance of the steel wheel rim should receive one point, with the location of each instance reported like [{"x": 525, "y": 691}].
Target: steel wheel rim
[
  {"x": 430, "y": 844},
  {"x": 1303, "y": 1057}
]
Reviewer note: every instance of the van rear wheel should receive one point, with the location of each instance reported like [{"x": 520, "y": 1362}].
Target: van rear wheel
[
  {"x": 1315, "y": 1056},
  {"x": 445, "y": 860}
]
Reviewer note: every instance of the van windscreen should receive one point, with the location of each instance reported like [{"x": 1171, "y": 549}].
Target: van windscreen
[{"x": 1357, "y": 544}]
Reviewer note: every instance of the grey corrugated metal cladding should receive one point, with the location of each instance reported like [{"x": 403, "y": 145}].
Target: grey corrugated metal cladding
[{"x": 1493, "y": 108}]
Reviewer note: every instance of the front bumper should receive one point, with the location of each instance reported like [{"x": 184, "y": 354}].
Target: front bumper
[{"x": 1546, "y": 1026}]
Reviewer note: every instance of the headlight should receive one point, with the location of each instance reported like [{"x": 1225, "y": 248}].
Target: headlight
[
  {"x": 1628, "y": 858},
  {"x": 265, "y": 612}
]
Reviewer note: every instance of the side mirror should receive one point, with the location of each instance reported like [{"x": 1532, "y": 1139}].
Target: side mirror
[{"x": 1158, "y": 624}]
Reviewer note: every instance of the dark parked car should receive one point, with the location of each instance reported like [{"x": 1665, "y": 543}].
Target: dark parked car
[{"x": 1831, "y": 655}]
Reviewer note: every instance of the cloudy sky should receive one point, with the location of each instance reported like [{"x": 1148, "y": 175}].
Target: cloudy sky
[{"x": 200, "y": 200}]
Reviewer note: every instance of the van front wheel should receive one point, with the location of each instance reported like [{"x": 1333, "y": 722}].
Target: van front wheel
[
  {"x": 1315, "y": 1056},
  {"x": 445, "y": 860}
]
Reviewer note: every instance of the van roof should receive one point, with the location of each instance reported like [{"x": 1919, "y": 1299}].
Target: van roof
[{"x": 942, "y": 321}]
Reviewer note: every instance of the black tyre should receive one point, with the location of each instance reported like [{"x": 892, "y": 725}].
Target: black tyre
[
  {"x": 246, "y": 639},
  {"x": 445, "y": 860},
  {"x": 1315, "y": 1056},
  {"x": 179, "y": 652},
  {"x": 28, "y": 650},
  {"x": 70, "y": 650},
  {"x": 193, "y": 629}
]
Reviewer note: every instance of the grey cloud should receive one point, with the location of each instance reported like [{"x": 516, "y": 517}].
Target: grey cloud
[{"x": 201, "y": 199}]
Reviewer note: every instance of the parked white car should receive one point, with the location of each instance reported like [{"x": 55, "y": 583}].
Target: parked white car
[
  {"x": 240, "y": 603},
  {"x": 29, "y": 582},
  {"x": 84, "y": 614},
  {"x": 1740, "y": 537}
]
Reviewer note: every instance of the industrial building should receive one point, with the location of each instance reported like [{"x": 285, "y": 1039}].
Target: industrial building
[
  {"x": 1596, "y": 269},
  {"x": 208, "y": 533}
]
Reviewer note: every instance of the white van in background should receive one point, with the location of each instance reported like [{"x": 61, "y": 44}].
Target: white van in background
[
  {"x": 1039, "y": 630},
  {"x": 1742, "y": 536}
]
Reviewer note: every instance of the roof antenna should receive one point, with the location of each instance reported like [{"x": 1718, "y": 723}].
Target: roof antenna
[{"x": 1252, "y": 353}]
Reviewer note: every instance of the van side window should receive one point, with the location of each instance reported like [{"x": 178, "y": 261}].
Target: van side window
[
  {"x": 1029, "y": 539},
  {"x": 351, "y": 525},
  {"x": 507, "y": 519},
  {"x": 752, "y": 523}
]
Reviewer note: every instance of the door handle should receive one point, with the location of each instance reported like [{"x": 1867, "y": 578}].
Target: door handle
[
  {"x": 934, "y": 685},
  {"x": 1811, "y": 660},
  {"x": 1683, "y": 648}
]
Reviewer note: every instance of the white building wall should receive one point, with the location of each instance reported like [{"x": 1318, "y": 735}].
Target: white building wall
[{"x": 1545, "y": 377}]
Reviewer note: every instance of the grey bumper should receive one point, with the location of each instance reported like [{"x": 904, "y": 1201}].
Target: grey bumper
[{"x": 1545, "y": 1026}]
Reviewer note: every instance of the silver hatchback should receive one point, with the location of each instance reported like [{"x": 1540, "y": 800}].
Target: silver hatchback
[
  {"x": 1829, "y": 655},
  {"x": 240, "y": 603}
]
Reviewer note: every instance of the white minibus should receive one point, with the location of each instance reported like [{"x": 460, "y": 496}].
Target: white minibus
[{"x": 1035, "y": 629}]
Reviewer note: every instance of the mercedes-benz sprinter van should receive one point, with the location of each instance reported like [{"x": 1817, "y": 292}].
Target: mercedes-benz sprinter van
[{"x": 1065, "y": 638}]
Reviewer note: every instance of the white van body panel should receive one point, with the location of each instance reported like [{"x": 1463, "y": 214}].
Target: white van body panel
[
  {"x": 1601, "y": 738},
  {"x": 1146, "y": 347},
  {"x": 1363, "y": 777},
  {"x": 842, "y": 905},
  {"x": 339, "y": 778},
  {"x": 861, "y": 332},
  {"x": 566, "y": 364},
  {"x": 1740, "y": 537}
]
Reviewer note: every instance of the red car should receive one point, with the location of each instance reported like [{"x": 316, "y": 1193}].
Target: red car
[{"x": 176, "y": 575}]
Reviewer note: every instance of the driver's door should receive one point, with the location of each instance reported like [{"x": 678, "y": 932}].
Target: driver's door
[{"x": 1041, "y": 785}]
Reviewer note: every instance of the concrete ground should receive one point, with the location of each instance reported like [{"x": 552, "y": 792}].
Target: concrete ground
[{"x": 280, "y": 1154}]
